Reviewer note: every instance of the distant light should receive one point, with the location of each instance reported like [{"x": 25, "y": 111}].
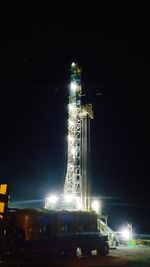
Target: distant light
[
  {"x": 73, "y": 86},
  {"x": 52, "y": 199},
  {"x": 95, "y": 206},
  {"x": 125, "y": 234},
  {"x": 68, "y": 198}
]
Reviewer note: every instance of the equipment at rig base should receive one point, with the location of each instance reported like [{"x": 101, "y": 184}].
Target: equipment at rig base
[{"x": 33, "y": 232}]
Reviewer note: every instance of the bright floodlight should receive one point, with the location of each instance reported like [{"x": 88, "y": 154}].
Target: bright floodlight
[
  {"x": 73, "y": 86},
  {"x": 95, "y": 206},
  {"x": 52, "y": 199},
  {"x": 125, "y": 234},
  {"x": 68, "y": 198},
  {"x": 73, "y": 64}
]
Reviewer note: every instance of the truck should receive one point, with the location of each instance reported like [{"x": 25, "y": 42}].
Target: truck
[{"x": 30, "y": 232}]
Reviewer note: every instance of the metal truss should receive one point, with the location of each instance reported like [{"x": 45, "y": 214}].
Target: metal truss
[{"x": 73, "y": 179}]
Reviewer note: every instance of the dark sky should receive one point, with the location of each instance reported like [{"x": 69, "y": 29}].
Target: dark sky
[{"x": 35, "y": 59}]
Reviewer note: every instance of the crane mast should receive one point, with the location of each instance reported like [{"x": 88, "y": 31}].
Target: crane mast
[{"x": 77, "y": 182}]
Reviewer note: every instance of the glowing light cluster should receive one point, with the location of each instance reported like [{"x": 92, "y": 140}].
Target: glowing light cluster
[
  {"x": 52, "y": 199},
  {"x": 96, "y": 206},
  {"x": 68, "y": 198},
  {"x": 125, "y": 234}
]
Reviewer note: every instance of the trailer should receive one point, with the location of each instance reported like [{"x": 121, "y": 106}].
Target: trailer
[{"x": 30, "y": 232}]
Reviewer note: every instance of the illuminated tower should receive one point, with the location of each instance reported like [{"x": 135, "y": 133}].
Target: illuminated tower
[
  {"x": 73, "y": 180},
  {"x": 76, "y": 181}
]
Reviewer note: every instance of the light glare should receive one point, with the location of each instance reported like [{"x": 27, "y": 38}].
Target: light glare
[
  {"x": 52, "y": 199},
  {"x": 95, "y": 206},
  {"x": 68, "y": 198},
  {"x": 125, "y": 234}
]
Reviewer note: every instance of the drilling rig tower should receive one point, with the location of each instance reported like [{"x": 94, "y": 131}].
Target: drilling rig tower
[{"x": 77, "y": 180}]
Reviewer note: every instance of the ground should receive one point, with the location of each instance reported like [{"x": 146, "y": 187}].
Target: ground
[{"x": 138, "y": 256}]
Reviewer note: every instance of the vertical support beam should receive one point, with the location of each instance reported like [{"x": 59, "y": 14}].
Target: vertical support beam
[
  {"x": 87, "y": 114},
  {"x": 84, "y": 163}
]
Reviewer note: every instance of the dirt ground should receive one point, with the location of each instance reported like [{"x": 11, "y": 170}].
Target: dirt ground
[{"x": 137, "y": 256}]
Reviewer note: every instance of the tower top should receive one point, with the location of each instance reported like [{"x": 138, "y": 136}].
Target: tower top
[{"x": 75, "y": 68}]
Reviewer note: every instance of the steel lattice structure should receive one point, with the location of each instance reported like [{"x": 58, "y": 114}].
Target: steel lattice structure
[{"x": 73, "y": 179}]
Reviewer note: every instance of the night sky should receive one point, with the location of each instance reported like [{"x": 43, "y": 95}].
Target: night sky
[{"x": 35, "y": 60}]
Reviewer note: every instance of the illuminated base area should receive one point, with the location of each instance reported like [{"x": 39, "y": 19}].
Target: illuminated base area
[
  {"x": 70, "y": 202},
  {"x": 67, "y": 202}
]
